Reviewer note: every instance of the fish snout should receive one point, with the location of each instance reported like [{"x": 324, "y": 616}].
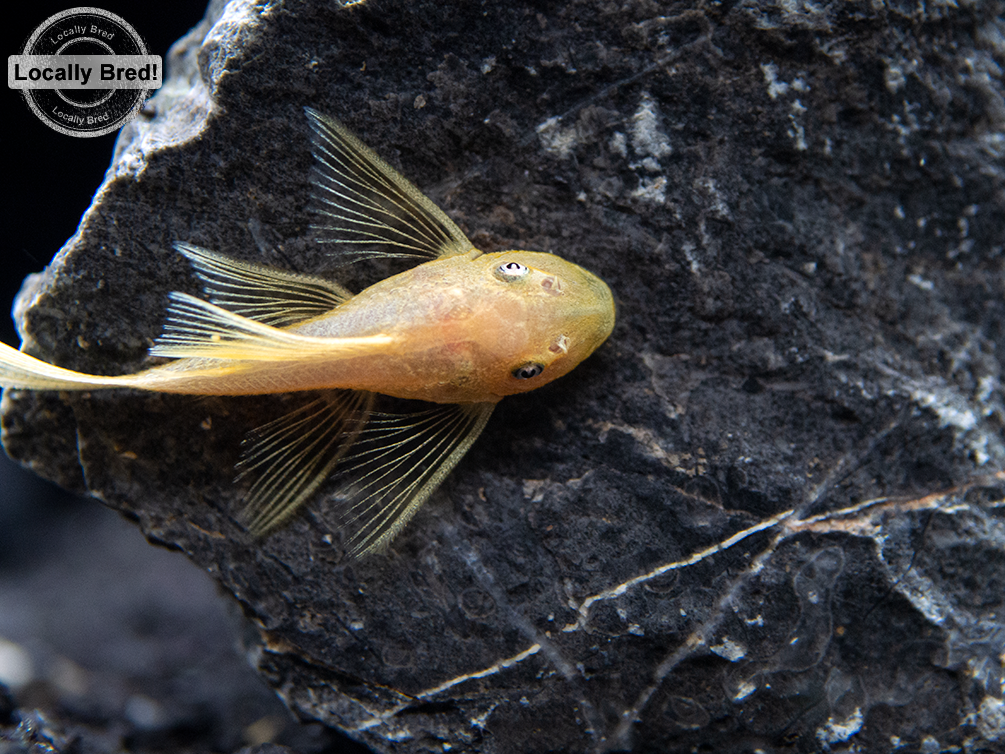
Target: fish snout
[{"x": 596, "y": 310}]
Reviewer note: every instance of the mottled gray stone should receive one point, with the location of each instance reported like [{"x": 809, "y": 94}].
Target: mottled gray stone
[{"x": 767, "y": 514}]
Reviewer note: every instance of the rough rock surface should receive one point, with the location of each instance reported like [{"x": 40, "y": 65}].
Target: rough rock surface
[{"x": 767, "y": 514}]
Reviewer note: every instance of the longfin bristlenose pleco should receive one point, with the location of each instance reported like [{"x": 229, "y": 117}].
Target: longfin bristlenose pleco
[{"x": 460, "y": 331}]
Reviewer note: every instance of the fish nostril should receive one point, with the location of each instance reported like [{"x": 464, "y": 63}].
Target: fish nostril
[
  {"x": 561, "y": 345},
  {"x": 552, "y": 285}
]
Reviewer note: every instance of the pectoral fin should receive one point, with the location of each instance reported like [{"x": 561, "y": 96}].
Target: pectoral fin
[
  {"x": 198, "y": 329},
  {"x": 269, "y": 296},
  {"x": 398, "y": 461},
  {"x": 367, "y": 208},
  {"x": 385, "y": 465}
]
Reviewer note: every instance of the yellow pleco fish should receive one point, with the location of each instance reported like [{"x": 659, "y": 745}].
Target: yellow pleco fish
[{"x": 460, "y": 331}]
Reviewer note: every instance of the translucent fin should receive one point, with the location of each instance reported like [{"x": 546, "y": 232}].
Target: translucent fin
[
  {"x": 398, "y": 461},
  {"x": 367, "y": 207},
  {"x": 23, "y": 372},
  {"x": 260, "y": 293},
  {"x": 196, "y": 328},
  {"x": 296, "y": 453}
]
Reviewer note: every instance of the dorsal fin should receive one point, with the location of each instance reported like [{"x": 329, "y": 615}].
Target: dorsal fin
[
  {"x": 269, "y": 296},
  {"x": 366, "y": 208}
]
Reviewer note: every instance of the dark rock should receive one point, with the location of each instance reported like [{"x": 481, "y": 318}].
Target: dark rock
[{"x": 767, "y": 514}]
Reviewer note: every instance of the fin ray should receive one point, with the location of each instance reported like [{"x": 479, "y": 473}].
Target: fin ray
[
  {"x": 367, "y": 207},
  {"x": 385, "y": 466},
  {"x": 398, "y": 462},
  {"x": 373, "y": 174},
  {"x": 198, "y": 329},
  {"x": 295, "y": 454},
  {"x": 269, "y": 296}
]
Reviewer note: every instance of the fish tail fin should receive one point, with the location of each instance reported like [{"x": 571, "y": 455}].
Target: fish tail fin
[{"x": 23, "y": 372}]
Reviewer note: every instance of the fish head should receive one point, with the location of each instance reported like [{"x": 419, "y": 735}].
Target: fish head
[{"x": 555, "y": 314}]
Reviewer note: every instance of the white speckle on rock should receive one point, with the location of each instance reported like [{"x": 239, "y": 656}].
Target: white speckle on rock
[
  {"x": 957, "y": 410},
  {"x": 535, "y": 489},
  {"x": 991, "y": 719},
  {"x": 745, "y": 689},
  {"x": 729, "y": 649},
  {"x": 797, "y": 132},
  {"x": 695, "y": 265},
  {"x": 555, "y": 139},
  {"x": 647, "y": 136},
  {"x": 947, "y": 405},
  {"x": 650, "y": 164},
  {"x": 835, "y": 731},
  {"x": 719, "y": 207},
  {"x": 619, "y": 144},
  {"x": 894, "y": 78},
  {"x": 652, "y": 190},
  {"x": 775, "y": 86},
  {"x": 922, "y": 283},
  {"x": 986, "y": 385}
]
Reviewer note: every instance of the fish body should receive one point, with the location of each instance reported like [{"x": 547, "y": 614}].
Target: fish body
[{"x": 462, "y": 330}]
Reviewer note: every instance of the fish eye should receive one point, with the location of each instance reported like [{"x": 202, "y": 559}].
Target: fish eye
[
  {"x": 511, "y": 270},
  {"x": 528, "y": 370}
]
